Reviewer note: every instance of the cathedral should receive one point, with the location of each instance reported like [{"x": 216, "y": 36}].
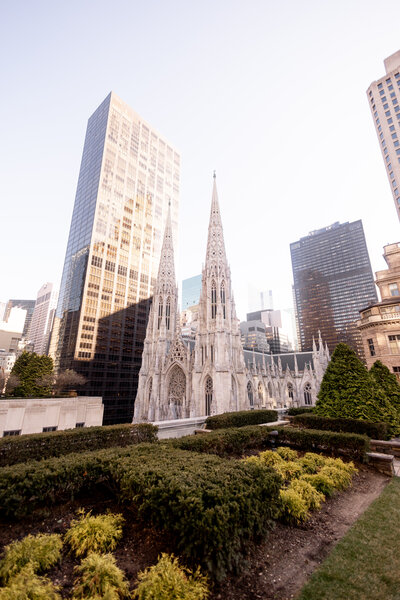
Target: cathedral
[{"x": 210, "y": 373}]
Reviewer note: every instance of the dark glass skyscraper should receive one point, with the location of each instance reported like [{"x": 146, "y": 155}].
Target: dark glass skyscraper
[
  {"x": 128, "y": 176},
  {"x": 332, "y": 281}
]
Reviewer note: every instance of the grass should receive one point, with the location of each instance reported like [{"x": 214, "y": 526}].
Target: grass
[{"x": 365, "y": 565}]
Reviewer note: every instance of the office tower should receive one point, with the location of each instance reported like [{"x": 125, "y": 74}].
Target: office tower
[
  {"x": 384, "y": 98},
  {"x": 42, "y": 318},
  {"x": 129, "y": 174},
  {"x": 332, "y": 281},
  {"x": 191, "y": 289},
  {"x": 27, "y": 305}
]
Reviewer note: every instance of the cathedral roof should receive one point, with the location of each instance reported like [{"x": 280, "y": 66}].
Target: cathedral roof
[{"x": 287, "y": 359}]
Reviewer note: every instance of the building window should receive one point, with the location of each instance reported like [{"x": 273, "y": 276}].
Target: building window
[
  {"x": 290, "y": 390},
  {"x": 168, "y": 313},
  {"x": 307, "y": 394},
  {"x": 396, "y": 371},
  {"x": 222, "y": 291},
  {"x": 80, "y": 425},
  {"x": 209, "y": 395},
  {"x": 371, "y": 346},
  {"x": 213, "y": 299},
  {"x": 393, "y": 289},
  {"x": 394, "y": 344},
  {"x": 47, "y": 429},
  {"x": 160, "y": 311},
  {"x": 250, "y": 395},
  {"x": 11, "y": 432}
]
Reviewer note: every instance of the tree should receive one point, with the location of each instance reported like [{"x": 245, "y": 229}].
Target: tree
[
  {"x": 13, "y": 381},
  {"x": 30, "y": 368},
  {"x": 387, "y": 381},
  {"x": 348, "y": 390},
  {"x": 2, "y": 380},
  {"x": 66, "y": 380}
]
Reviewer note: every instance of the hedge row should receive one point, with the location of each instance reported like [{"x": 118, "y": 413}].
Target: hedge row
[
  {"x": 377, "y": 431},
  {"x": 299, "y": 410},
  {"x": 211, "y": 507},
  {"x": 45, "y": 445},
  {"x": 241, "y": 419},
  {"x": 229, "y": 442}
]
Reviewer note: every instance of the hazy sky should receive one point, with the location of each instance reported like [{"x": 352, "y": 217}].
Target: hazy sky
[{"x": 270, "y": 94}]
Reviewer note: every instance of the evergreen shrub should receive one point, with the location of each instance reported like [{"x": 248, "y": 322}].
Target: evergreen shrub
[
  {"x": 293, "y": 508},
  {"x": 41, "y": 551},
  {"x": 241, "y": 418},
  {"x": 27, "y": 585},
  {"x": 89, "y": 533},
  {"x": 30, "y": 368},
  {"x": 99, "y": 577},
  {"x": 225, "y": 442},
  {"x": 377, "y": 431},
  {"x": 387, "y": 381},
  {"x": 16, "y": 449},
  {"x": 300, "y": 410},
  {"x": 168, "y": 579}
]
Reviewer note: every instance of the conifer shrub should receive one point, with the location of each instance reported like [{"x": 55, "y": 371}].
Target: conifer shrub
[
  {"x": 168, "y": 579},
  {"x": 312, "y": 462},
  {"x": 287, "y": 453},
  {"x": 41, "y": 551},
  {"x": 27, "y": 585},
  {"x": 322, "y": 483},
  {"x": 341, "y": 478},
  {"x": 349, "y": 391},
  {"x": 30, "y": 368},
  {"x": 388, "y": 382},
  {"x": 300, "y": 410},
  {"x": 241, "y": 418},
  {"x": 225, "y": 442},
  {"x": 310, "y": 495},
  {"x": 98, "y": 576},
  {"x": 377, "y": 431},
  {"x": 99, "y": 534},
  {"x": 38, "y": 446},
  {"x": 293, "y": 508}
]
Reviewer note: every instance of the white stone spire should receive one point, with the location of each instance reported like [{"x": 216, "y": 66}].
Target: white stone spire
[
  {"x": 215, "y": 255},
  {"x": 166, "y": 270}
]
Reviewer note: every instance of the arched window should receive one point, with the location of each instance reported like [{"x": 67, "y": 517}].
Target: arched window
[
  {"x": 290, "y": 390},
  {"x": 260, "y": 392},
  {"x": 270, "y": 390},
  {"x": 307, "y": 394},
  {"x": 160, "y": 311},
  {"x": 233, "y": 405},
  {"x": 168, "y": 312},
  {"x": 176, "y": 393},
  {"x": 213, "y": 299},
  {"x": 150, "y": 388},
  {"x": 222, "y": 293},
  {"x": 208, "y": 394},
  {"x": 250, "y": 394}
]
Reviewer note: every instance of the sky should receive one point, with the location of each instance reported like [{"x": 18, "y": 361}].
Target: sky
[{"x": 269, "y": 94}]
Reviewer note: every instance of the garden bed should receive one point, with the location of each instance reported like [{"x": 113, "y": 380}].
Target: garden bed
[{"x": 277, "y": 568}]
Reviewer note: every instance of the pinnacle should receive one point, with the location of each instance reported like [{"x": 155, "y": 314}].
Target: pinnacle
[
  {"x": 166, "y": 269},
  {"x": 215, "y": 244}
]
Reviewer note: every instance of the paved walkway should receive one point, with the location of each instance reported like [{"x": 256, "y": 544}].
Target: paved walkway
[{"x": 396, "y": 465}]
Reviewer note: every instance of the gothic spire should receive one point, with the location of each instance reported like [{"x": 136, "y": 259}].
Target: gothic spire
[
  {"x": 215, "y": 256},
  {"x": 166, "y": 269}
]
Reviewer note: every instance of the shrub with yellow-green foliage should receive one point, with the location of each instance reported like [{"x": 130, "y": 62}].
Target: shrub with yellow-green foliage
[
  {"x": 293, "y": 507},
  {"x": 311, "y": 462},
  {"x": 90, "y": 533},
  {"x": 287, "y": 453},
  {"x": 312, "y": 497},
  {"x": 40, "y": 551},
  {"x": 27, "y": 585},
  {"x": 341, "y": 478},
  {"x": 270, "y": 458},
  {"x": 321, "y": 481},
  {"x": 168, "y": 579},
  {"x": 99, "y": 577},
  {"x": 289, "y": 470}
]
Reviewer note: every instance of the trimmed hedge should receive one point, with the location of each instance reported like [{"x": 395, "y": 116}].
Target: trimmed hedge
[
  {"x": 299, "y": 410},
  {"x": 241, "y": 418},
  {"x": 230, "y": 442},
  {"x": 377, "y": 431},
  {"x": 351, "y": 444},
  {"x": 58, "y": 443},
  {"x": 211, "y": 507}
]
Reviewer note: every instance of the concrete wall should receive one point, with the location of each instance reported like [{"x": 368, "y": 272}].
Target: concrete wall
[{"x": 32, "y": 415}]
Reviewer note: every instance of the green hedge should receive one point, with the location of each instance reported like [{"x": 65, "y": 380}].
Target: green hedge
[
  {"x": 226, "y": 442},
  {"x": 212, "y": 508},
  {"x": 45, "y": 445},
  {"x": 241, "y": 418},
  {"x": 352, "y": 444},
  {"x": 377, "y": 431},
  {"x": 300, "y": 410}
]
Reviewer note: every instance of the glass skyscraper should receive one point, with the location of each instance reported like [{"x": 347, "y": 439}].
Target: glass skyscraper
[
  {"x": 128, "y": 176},
  {"x": 191, "y": 290},
  {"x": 332, "y": 281}
]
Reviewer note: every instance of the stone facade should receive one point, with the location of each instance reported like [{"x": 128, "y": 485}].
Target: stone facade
[
  {"x": 379, "y": 324},
  {"x": 208, "y": 372}
]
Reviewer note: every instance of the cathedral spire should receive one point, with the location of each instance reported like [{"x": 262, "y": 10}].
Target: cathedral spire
[
  {"x": 215, "y": 255},
  {"x": 166, "y": 269}
]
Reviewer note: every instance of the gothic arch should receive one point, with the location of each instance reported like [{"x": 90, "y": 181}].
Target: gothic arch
[
  {"x": 307, "y": 392},
  {"x": 233, "y": 405},
  {"x": 176, "y": 392},
  {"x": 149, "y": 389},
  {"x": 270, "y": 394},
  {"x": 208, "y": 394},
  {"x": 250, "y": 394},
  {"x": 290, "y": 391},
  {"x": 223, "y": 298},
  {"x": 160, "y": 311},
  {"x": 260, "y": 391},
  {"x": 168, "y": 313},
  {"x": 213, "y": 299}
]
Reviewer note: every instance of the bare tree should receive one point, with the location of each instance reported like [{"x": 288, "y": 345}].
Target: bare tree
[
  {"x": 13, "y": 382},
  {"x": 67, "y": 380},
  {"x": 2, "y": 380}
]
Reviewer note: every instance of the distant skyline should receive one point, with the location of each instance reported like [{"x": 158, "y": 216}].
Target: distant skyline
[{"x": 271, "y": 96}]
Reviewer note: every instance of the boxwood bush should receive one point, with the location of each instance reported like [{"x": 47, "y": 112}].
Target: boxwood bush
[
  {"x": 241, "y": 418},
  {"x": 211, "y": 507},
  {"x": 299, "y": 410},
  {"x": 378, "y": 431},
  {"x": 45, "y": 445}
]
